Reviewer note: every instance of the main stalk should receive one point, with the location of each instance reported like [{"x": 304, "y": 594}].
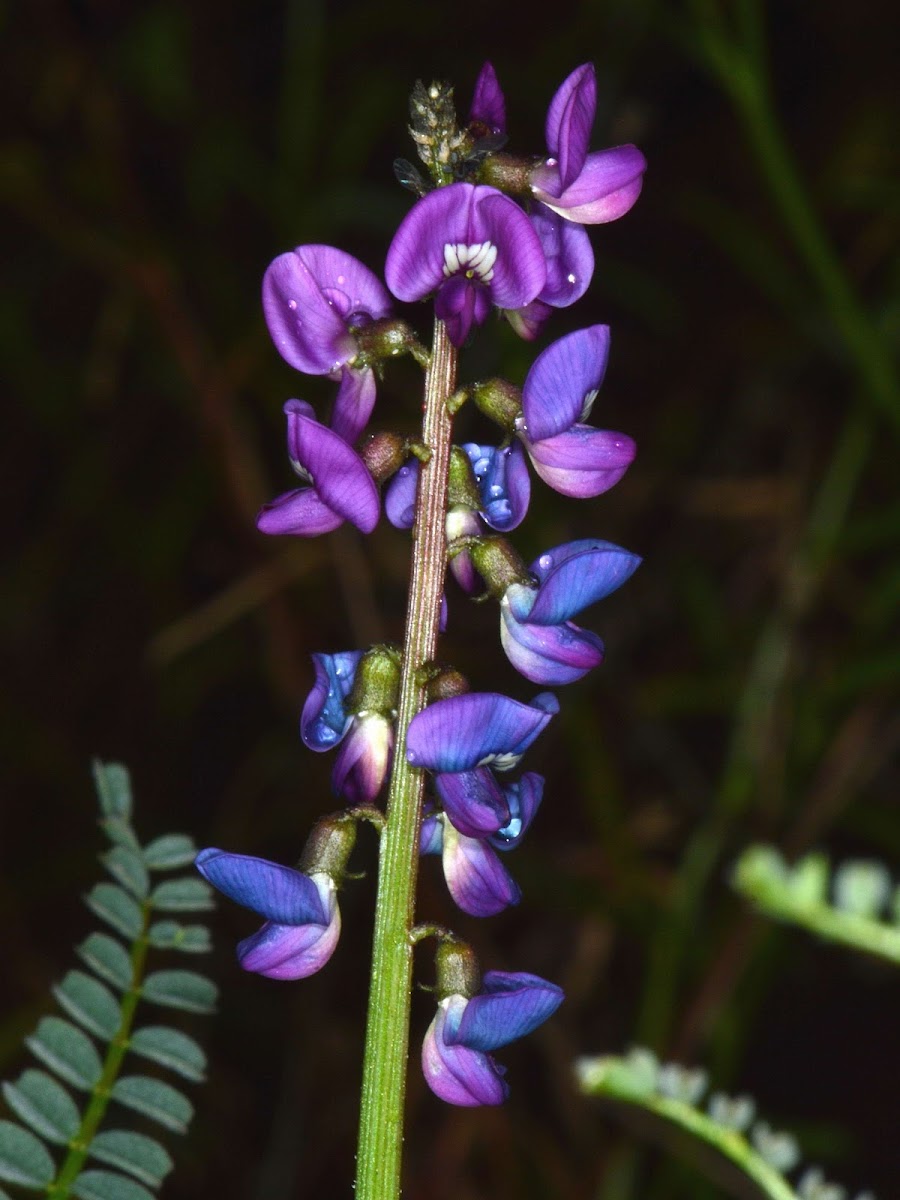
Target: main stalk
[{"x": 387, "y": 1029}]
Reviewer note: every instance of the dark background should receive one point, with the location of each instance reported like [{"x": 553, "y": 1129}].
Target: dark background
[{"x": 156, "y": 156}]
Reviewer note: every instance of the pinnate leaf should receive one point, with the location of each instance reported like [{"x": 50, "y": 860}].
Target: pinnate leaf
[
  {"x": 170, "y": 935},
  {"x": 183, "y": 895},
  {"x": 154, "y": 1099},
  {"x": 113, "y": 785},
  {"x": 107, "y": 1185},
  {"x": 135, "y": 1153},
  {"x": 107, "y": 958},
  {"x": 117, "y": 908},
  {"x": 172, "y": 1049},
  {"x": 67, "y": 1051},
  {"x": 169, "y": 852},
  {"x": 181, "y": 989},
  {"x": 23, "y": 1158},
  {"x": 127, "y": 868},
  {"x": 90, "y": 1003},
  {"x": 39, "y": 1101}
]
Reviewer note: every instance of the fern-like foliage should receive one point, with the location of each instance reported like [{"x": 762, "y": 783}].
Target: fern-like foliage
[
  {"x": 61, "y": 1104},
  {"x": 861, "y": 893},
  {"x": 728, "y": 1123}
]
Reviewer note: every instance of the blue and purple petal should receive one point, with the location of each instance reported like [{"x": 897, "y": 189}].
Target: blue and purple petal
[
  {"x": 324, "y": 719},
  {"x": 456, "y": 1074},
  {"x": 476, "y": 729}
]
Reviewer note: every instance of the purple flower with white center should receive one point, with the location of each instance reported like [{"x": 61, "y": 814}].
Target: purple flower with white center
[
  {"x": 314, "y": 299},
  {"x": 476, "y": 878},
  {"x": 503, "y": 483},
  {"x": 303, "y": 921},
  {"x": 559, "y": 391},
  {"x": 340, "y": 487},
  {"x": 456, "y": 1054},
  {"x": 471, "y": 245},
  {"x": 586, "y": 188},
  {"x": 536, "y": 632},
  {"x": 366, "y": 738}
]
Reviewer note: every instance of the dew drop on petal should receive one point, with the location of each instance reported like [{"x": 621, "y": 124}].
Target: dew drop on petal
[
  {"x": 292, "y": 305},
  {"x": 571, "y": 278},
  {"x": 545, "y": 562}
]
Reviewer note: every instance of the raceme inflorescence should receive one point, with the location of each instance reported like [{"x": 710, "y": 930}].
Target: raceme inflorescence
[{"x": 489, "y": 232}]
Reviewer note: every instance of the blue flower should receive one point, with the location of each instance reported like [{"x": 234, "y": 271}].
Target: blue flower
[
  {"x": 456, "y": 1058},
  {"x": 303, "y": 921},
  {"x": 366, "y": 737},
  {"x": 537, "y": 634}
]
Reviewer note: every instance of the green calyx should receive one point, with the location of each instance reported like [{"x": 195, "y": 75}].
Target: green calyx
[
  {"x": 498, "y": 563},
  {"x": 377, "y": 685},
  {"x": 456, "y": 966},
  {"x": 500, "y": 401},
  {"x": 329, "y": 846}
]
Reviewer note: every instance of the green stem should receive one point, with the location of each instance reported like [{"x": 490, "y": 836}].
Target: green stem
[
  {"x": 611, "y": 1077},
  {"x": 756, "y": 878},
  {"x": 387, "y": 1030},
  {"x": 80, "y": 1145}
]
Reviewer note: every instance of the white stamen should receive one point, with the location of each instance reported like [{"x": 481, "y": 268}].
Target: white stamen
[
  {"x": 587, "y": 404},
  {"x": 477, "y": 260}
]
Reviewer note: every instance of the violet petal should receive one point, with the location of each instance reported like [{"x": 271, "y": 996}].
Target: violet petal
[
  {"x": 474, "y": 802},
  {"x": 510, "y": 1006},
  {"x": 276, "y": 892},
  {"x": 548, "y": 654},
  {"x": 576, "y": 575},
  {"x": 455, "y": 1074},
  {"x": 324, "y": 719},
  {"x": 570, "y": 119},
  {"x": 475, "y": 729},
  {"x": 582, "y": 461},
  {"x": 561, "y": 381},
  {"x": 488, "y": 104},
  {"x": 476, "y": 878}
]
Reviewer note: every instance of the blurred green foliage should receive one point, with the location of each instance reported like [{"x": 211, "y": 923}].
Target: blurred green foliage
[{"x": 155, "y": 158}]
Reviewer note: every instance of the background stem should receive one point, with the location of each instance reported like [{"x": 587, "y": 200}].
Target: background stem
[{"x": 387, "y": 1029}]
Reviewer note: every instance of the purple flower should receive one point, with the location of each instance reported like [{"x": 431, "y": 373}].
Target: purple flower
[
  {"x": 460, "y": 739},
  {"x": 456, "y": 1058},
  {"x": 366, "y": 738},
  {"x": 303, "y": 921},
  {"x": 571, "y": 457},
  {"x": 314, "y": 299},
  {"x": 586, "y": 188},
  {"x": 340, "y": 487},
  {"x": 476, "y": 878},
  {"x": 537, "y": 634},
  {"x": 471, "y": 245}
]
